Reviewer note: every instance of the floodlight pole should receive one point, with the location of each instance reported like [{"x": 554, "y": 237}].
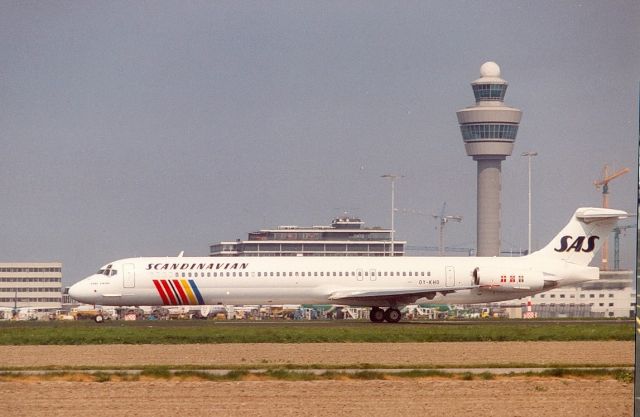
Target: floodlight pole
[
  {"x": 393, "y": 178},
  {"x": 529, "y": 155}
]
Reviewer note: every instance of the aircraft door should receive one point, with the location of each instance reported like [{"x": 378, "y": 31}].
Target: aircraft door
[
  {"x": 450, "y": 276},
  {"x": 372, "y": 275},
  {"x": 128, "y": 276}
]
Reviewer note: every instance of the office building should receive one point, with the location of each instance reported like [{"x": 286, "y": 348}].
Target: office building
[
  {"x": 346, "y": 236},
  {"x": 31, "y": 285}
]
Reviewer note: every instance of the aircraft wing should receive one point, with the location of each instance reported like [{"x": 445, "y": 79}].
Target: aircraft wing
[{"x": 390, "y": 296}]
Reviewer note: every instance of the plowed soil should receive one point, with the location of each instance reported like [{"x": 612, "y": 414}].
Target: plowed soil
[
  {"x": 390, "y": 354},
  {"x": 503, "y": 396}
]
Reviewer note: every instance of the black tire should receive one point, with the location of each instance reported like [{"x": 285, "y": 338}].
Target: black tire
[
  {"x": 99, "y": 318},
  {"x": 376, "y": 315},
  {"x": 392, "y": 315}
]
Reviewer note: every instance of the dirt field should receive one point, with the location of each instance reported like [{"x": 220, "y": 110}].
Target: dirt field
[
  {"x": 430, "y": 354},
  {"x": 503, "y": 396}
]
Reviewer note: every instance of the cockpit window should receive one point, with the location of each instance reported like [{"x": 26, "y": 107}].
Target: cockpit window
[{"x": 107, "y": 272}]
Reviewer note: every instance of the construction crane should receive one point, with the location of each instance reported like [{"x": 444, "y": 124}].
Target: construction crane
[
  {"x": 604, "y": 183},
  {"x": 617, "y": 231},
  {"x": 443, "y": 220}
]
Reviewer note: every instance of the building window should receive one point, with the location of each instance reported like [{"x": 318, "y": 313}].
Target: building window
[
  {"x": 489, "y": 92},
  {"x": 475, "y": 131}
]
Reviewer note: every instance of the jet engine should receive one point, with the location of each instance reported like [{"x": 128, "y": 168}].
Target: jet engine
[{"x": 498, "y": 279}]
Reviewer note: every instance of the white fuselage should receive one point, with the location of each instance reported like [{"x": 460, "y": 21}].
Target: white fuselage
[
  {"x": 317, "y": 280},
  {"x": 350, "y": 280}
]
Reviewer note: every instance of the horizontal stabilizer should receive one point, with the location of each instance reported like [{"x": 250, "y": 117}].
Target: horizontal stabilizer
[{"x": 594, "y": 214}]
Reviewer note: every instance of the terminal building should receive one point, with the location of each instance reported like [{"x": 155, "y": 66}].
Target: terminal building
[
  {"x": 346, "y": 236},
  {"x": 31, "y": 285},
  {"x": 611, "y": 296}
]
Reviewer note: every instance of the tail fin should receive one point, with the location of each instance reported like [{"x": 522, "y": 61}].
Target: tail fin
[{"x": 583, "y": 236}]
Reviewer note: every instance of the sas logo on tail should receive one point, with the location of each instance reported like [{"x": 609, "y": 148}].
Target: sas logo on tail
[{"x": 567, "y": 245}]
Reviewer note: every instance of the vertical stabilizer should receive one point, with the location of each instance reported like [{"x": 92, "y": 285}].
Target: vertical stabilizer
[{"x": 583, "y": 236}]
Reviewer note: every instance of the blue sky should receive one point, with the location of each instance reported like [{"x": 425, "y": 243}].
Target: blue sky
[{"x": 147, "y": 128}]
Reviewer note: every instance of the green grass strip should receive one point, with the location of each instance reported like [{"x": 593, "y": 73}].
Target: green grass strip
[
  {"x": 89, "y": 333},
  {"x": 624, "y": 376}
]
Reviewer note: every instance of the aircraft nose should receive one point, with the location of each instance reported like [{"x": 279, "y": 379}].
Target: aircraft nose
[
  {"x": 80, "y": 291},
  {"x": 74, "y": 291}
]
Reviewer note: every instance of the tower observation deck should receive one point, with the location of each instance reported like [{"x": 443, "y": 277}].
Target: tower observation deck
[{"x": 489, "y": 130}]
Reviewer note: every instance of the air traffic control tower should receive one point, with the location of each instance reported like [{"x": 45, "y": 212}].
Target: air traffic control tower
[{"x": 489, "y": 130}]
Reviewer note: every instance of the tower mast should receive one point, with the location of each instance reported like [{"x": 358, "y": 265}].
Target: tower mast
[{"x": 489, "y": 131}]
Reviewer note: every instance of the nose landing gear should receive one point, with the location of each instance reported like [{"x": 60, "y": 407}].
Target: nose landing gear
[{"x": 390, "y": 315}]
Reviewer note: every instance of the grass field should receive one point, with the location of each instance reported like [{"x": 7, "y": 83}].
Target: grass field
[
  {"x": 621, "y": 375},
  {"x": 188, "y": 332}
]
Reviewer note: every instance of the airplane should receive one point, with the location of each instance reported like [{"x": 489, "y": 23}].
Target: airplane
[{"x": 385, "y": 284}]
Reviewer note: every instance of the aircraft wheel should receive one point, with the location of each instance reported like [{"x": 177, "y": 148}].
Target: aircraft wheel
[
  {"x": 99, "y": 318},
  {"x": 392, "y": 315},
  {"x": 376, "y": 315}
]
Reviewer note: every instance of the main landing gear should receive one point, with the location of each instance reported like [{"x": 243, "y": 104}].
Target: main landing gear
[{"x": 390, "y": 315}]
